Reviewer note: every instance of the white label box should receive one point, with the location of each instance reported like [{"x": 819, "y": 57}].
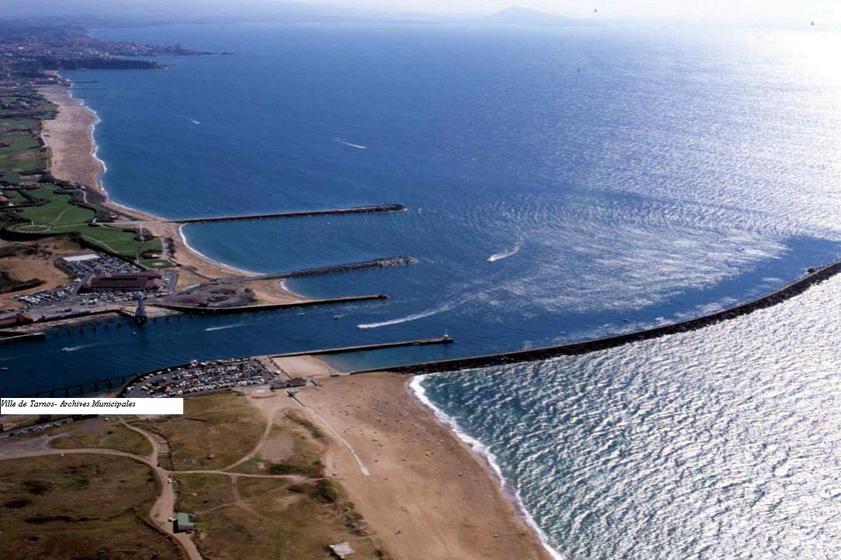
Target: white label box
[{"x": 91, "y": 406}]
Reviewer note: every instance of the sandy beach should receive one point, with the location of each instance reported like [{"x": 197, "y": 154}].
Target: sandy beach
[
  {"x": 69, "y": 137},
  {"x": 427, "y": 494}
]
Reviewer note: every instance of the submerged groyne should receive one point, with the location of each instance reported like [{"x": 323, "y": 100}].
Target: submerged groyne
[
  {"x": 371, "y": 209},
  {"x": 788, "y": 291}
]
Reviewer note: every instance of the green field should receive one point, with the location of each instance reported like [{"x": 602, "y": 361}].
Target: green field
[
  {"x": 23, "y": 160},
  {"x": 21, "y": 153},
  {"x": 57, "y": 214}
]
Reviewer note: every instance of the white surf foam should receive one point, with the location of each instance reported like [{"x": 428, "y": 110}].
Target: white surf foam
[
  {"x": 195, "y": 122},
  {"x": 485, "y": 453},
  {"x": 406, "y": 319},
  {"x": 350, "y": 144},
  {"x": 505, "y": 254}
]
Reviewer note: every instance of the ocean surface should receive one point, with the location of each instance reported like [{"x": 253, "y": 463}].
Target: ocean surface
[
  {"x": 719, "y": 443},
  {"x": 561, "y": 184}
]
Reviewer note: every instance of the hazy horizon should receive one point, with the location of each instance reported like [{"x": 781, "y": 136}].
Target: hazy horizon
[{"x": 824, "y": 13}]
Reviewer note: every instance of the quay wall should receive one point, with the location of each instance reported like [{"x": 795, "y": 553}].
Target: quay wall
[{"x": 267, "y": 306}]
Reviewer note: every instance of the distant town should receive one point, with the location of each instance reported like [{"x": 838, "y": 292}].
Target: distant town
[{"x": 27, "y": 51}]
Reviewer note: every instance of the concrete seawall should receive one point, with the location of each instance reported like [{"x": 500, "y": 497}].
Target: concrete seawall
[
  {"x": 576, "y": 348},
  {"x": 373, "y": 209}
]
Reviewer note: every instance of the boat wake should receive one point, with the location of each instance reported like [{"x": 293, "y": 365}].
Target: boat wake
[
  {"x": 224, "y": 327},
  {"x": 505, "y": 254},
  {"x": 75, "y": 348},
  {"x": 350, "y": 145},
  {"x": 408, "y": 318}
]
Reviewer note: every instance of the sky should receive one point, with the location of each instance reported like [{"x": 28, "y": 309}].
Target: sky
[
  {"x": 825, "y": 13},
  {"x": 783, "y": 11}
]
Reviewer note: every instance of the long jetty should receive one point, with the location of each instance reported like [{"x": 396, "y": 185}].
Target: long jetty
[
  {"x": 372, "y": 209},
  {"x": 446, "y": 339},
  {"x": 770, "y": 299},
  {"x": 383, "y": 262},
  {"x": 13, "y": 336},
  {"x": 120, "y": 381}
]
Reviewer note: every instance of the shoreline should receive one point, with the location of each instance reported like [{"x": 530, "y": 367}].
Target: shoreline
[
  {"x": 484, "y": 455},
  {"x": 426, "y": 492},
  {"x": 79, "y": 162}
]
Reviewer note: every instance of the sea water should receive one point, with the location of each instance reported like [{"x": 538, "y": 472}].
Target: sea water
[
  {"x": 719, "y": 443},
  {"x": 560, "y": 184}
]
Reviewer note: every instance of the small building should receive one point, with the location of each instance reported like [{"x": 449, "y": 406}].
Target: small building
[
  {"x": 82, "y": 257},
  {"x": 183, "y": 522},
  {"x": 287, "y": 383},
  {"x": 4, "y": 201},
  {"x": 341, "y": 550},
  {"x": 128, "y": 282}
]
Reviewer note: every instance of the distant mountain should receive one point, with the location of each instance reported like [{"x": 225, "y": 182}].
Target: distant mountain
[{"x": 523, "y": 16}]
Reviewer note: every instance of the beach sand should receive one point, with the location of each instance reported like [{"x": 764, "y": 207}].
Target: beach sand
[
  {"x": 428, "y": 495},
  {"x": 73, "y": 158},
  {"x": 304, "y": 366}
]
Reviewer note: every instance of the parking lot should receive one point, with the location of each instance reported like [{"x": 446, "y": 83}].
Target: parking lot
[
  {"x": 81, "y": 267},
  {"x": 200, "y": 377}
]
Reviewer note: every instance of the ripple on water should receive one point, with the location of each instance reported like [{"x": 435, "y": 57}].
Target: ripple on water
[{"x": 720, "y": 443}]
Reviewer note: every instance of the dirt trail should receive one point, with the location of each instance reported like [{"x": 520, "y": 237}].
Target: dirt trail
[{"x": 162, "y": 508}]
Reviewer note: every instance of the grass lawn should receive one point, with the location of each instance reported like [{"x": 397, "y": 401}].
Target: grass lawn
[
  {"x": 79, "y": 506},
  {"x": 20, "y": 150},
  {"x": 21, "y": 155},
  {"x": 58, "y": 215}
]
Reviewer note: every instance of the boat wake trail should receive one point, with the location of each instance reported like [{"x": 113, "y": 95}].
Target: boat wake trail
[
  {"x": 80, "y": 347},
  {"x": 350, "y": 145},
  {"x": 413, "y": 317},
  {"x": 224, "y": 327},
  {"x": 505, "y": 254}
]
